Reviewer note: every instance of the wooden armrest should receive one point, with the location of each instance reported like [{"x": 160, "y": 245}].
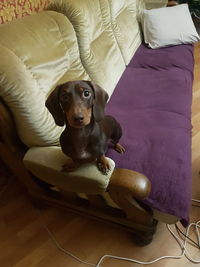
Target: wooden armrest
[
  {"x": 124, "y": 188},
  {"x": 131, "y": 182},
  {"x": 172, "y": 3}
]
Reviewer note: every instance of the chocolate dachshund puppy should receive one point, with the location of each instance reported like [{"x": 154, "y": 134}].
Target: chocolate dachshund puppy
[{"x": 80, "y": 106}]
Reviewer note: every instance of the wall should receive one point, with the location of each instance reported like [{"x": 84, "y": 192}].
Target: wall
[{"x": 12, "y": 9}]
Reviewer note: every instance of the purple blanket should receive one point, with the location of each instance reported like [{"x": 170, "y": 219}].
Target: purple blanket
[{"x": 152, "y": 102}]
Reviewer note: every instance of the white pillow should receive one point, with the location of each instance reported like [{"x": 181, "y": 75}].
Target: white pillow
[{"x": 169, "y": 26}]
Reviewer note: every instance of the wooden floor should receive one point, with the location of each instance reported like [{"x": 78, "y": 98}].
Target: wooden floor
[{"x": 24, "y": 242}]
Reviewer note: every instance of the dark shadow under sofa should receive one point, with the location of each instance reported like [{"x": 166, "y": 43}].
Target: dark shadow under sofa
[{"x": 152, "y": 101}]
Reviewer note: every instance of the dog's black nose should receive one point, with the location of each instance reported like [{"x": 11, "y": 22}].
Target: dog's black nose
[{"x": 78, "y": 118}]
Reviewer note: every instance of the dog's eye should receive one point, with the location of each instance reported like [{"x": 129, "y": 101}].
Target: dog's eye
[
  {"x": 86, "y": 94},
  {"x": 65, "y": 97}
]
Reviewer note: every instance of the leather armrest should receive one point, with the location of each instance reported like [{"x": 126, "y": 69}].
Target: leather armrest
[{"x": 134, "y": 183}]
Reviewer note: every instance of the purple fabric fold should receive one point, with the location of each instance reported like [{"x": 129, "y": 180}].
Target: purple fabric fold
[{"x": 152, "y": 102}]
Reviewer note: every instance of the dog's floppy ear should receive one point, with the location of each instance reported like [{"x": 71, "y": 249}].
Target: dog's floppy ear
[
  {"x": 100, "y": 100},
  {"x": 53, "y": 105}
]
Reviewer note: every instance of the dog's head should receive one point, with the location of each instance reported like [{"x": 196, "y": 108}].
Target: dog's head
[{"x": 77, "y": 103}]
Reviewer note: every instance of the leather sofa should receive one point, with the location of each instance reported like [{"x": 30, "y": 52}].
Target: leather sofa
[{"x": 89, "y": 40}]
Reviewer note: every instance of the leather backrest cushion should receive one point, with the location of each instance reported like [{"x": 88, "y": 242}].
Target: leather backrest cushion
[
  {"x": 124, "y": 21},
  {"x": 99, "y": 50},
  {"x": 37, "y": 53}
]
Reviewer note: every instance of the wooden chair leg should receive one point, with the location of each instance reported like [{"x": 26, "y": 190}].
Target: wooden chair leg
[{"x": 144, "y": 238}]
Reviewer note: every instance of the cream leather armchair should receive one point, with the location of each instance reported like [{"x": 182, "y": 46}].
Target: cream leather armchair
[{"x": 37, "y": 53}]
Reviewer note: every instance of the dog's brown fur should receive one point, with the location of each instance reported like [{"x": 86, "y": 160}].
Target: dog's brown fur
[{"x": 80, "y": 106}]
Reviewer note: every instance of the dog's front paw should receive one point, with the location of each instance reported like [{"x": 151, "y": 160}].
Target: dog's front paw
[
  {"x": 69, "y": 166},
  {"x": 119, "y": 148},
  {"x": 103, "y": 165}
]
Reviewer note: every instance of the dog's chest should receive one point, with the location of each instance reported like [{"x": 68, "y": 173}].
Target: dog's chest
[
  {"x": 81, "y": 146},
  {"x": 81, "y": 149},
  {"x": 83, "y": 153},
  {"x": 86, "y": 149}
]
